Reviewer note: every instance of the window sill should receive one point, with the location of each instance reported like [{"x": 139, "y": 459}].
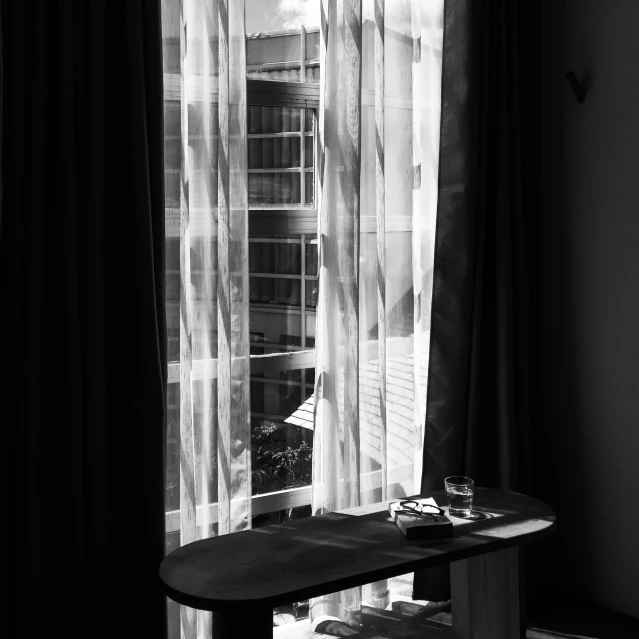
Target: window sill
[{"x": 261, "y": 505}]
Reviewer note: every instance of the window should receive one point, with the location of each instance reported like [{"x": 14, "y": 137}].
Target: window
[
  {"x": 282, "y": 148},
  {"x": 282, "y": 151},
  {"x": 375, "y": 334}
]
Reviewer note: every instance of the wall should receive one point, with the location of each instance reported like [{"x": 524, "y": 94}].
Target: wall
[{"x": 586, "y": 427}]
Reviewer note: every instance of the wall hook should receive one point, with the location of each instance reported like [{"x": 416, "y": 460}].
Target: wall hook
[{"x": 577, "y": 89}]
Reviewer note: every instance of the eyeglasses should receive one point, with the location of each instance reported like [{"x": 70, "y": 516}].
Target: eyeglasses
[{"x": 425, "y": 511}]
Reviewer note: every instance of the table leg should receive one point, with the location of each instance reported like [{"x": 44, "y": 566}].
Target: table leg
[
  {"x": 486, "y": 597},
  {"x": 255, "y": 622}
]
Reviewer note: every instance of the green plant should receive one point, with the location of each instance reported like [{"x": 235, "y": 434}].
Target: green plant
[{"x": 276, "y": 464}]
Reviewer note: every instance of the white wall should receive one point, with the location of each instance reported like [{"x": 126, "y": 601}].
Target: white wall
[{"x": 587, "y": 426}]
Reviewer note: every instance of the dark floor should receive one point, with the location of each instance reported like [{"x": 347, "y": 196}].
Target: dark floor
[
  {"x": 555, "y": 620},
  {"x": 577, "y": 620}
]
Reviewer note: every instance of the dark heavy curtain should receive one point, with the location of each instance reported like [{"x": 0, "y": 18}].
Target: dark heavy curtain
[
  {"x": 477, "y": 419},
  {"x": 478, "y": 410},
  {"x": 83, "y": 325}
]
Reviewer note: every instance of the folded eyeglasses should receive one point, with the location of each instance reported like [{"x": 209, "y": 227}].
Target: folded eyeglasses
[{"x": 425, "y": 511}]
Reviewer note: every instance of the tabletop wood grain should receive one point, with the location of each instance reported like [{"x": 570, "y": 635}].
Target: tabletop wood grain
[{"x": 310, "y": 557}]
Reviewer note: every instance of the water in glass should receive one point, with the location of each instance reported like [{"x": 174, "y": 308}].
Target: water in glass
[{"x": 460, "y": 499}]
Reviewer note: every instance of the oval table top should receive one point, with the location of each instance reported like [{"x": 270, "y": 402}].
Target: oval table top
[{"x": 303, "y": 558}]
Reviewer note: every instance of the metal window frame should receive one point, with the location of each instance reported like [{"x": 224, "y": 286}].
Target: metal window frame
[{"x": 295, "y": 497}]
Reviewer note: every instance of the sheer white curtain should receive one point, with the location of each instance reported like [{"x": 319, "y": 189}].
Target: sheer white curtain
[
  {"x": 379, "y": 130},
  {"x": 214, "y": 428}
]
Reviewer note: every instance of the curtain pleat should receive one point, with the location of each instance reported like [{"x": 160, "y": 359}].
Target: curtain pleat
[
  {"x": 83, "y": 320},
  {"x": 214, "y": 418},
  {"x": 379, "y": 124}
]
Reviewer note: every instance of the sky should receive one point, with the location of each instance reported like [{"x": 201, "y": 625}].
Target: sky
[{"x": 274, "y": 15}]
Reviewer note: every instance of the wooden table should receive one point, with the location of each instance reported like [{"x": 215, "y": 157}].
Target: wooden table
[{"x": 241, "y": 577}]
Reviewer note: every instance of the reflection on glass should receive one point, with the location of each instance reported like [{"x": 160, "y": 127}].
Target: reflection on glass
[
  {"x": 275, "y": 269},
  {"x": 281, "y": 440},
  {"x": 270, "y": 119},
  {"x": 275, "y": 188},
  {"x": 281, "y": 139}
]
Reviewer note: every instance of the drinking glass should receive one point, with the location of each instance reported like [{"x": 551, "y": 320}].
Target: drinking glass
[{"x": 460, "y": 495}]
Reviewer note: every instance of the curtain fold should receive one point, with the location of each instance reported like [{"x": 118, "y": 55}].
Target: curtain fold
[
  {"x": 379, "y": 131},
  {"x": 206, "y": 95},
  {"x": 477, "y": 420},
  {"x": 83, "y": 321},
  {"x": 478, "y": 408}
]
